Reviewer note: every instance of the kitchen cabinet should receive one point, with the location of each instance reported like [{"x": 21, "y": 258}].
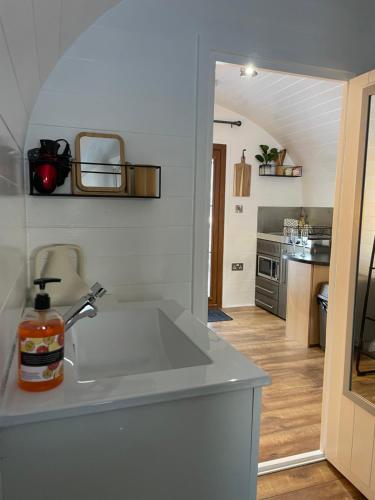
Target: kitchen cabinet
[{"x": 302, "y": 316}]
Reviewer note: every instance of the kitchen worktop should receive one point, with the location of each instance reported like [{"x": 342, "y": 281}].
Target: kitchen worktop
[{"x": 318, "y": 259}]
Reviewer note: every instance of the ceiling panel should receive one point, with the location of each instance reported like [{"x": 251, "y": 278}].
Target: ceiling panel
[{"x": 301, "y": 113}]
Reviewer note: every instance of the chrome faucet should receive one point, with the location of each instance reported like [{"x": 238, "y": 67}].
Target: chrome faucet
[{"x": 85, "y": 307}]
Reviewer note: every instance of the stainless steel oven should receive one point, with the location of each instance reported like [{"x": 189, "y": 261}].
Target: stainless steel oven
[{"x": 268, "y": 267}]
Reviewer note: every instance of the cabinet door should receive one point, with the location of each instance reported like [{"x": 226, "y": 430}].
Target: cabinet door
[
  {"x": 265, "y": 302},
  {"x": 337, "y": 429}
]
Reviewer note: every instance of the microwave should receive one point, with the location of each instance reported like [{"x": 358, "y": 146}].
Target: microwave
[{"x": 268, "y": 267}]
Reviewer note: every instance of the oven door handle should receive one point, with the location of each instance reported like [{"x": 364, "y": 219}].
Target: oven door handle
[{"x": 277, "y": 270}]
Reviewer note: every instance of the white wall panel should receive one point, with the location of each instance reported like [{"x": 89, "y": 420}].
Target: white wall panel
[
  {"x": 18, "y": 22},
  {"x": 118, "y": 242},
  {"x": 78, "y": 15},
  {"x": 181, "y": 292},
  {"x": 166, "y": 150},
  {"x": 12, "y": 243},
  {"x": 10, "y": 314},
  {"x": 47, "y": 17},
  {"x": 90, "y": 212},
  {"x": 139, "y": 269},
  {"x": 12, "y": 108}
]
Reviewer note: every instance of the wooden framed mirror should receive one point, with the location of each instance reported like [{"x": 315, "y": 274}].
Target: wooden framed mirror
[
  {"x": 99, "y": 166},
  {"x": 362, "y": 373}
]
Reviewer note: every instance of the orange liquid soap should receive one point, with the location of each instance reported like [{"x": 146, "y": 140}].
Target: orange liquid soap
[{"x": 41, "y": 346}]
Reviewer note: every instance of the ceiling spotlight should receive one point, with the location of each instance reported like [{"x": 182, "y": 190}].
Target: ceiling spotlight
[{"x": 248, "y": 70}]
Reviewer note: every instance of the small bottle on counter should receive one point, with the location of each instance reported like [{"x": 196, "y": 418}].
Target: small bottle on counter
[{"x": 41, "y": 344}]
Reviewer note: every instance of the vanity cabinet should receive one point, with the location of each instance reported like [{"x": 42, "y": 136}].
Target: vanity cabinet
[
  {"x": 158, "y": 408},
  {"x": 202, "y": 448}
]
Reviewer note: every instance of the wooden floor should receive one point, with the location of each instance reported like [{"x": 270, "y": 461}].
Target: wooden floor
[
  {"x": 291, "y": 406},
  {"x": 312, "y": 482}
]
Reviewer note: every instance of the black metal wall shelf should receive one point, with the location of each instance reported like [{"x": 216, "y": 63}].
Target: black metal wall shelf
[
  {"x": 294, "y": 168},
  {"x": 71, "y": 195},
  {"x": 278, "y": 175},
  {"x": 128, "y": 168}
]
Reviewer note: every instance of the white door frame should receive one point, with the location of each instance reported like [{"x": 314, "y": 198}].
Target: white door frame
[{"x": 204, "y": 115}]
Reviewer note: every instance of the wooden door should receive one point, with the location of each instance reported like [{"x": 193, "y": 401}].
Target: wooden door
[
  {"x": 348, "y": 420},
  {"x": 217, "y": 205}
]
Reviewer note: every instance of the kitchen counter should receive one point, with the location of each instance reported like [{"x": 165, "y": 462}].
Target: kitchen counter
[{"x": 319, "y": 259}]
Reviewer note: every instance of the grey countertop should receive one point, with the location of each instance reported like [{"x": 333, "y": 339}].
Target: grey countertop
[{"x": 319, "y": 259}]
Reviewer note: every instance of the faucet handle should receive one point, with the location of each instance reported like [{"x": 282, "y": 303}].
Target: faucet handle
[{"x": 98, "y": 290}]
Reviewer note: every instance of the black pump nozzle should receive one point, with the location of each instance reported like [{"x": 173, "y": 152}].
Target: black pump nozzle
[
  {"x": 43, "y": 281},
  {"x": 42, "y": 300}
]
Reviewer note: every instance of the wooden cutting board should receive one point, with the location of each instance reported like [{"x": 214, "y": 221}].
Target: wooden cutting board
[{"x": 242, "y": 177}]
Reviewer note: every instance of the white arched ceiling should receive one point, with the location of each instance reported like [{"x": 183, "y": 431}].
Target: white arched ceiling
[
  {"x": 33, "y": 36},
  {"x": 302, "y": 113}
]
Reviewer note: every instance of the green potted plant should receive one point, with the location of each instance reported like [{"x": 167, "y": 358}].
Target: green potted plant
[{"x": 267, "y": 159}]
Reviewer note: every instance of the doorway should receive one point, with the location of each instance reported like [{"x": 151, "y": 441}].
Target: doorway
[
  {"x": 283, "y": 111},
  {"x": 216, "y": 227}
]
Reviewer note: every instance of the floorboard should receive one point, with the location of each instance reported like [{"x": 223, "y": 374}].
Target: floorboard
[
  {"x": 292, "y": 405},
  {"x": 311, "y": 482}
]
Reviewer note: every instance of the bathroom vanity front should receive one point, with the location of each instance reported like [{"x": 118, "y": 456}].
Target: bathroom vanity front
[{"x": 161, "y": 408}]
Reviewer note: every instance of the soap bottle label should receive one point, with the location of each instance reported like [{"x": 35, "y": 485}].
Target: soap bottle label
[{"x": 41, "y": 359}]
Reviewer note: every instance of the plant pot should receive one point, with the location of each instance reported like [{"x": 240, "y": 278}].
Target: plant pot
[{"x": 279, "y": 170}]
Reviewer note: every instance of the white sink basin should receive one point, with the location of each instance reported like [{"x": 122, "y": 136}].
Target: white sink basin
[{"x": 128, "y": 341}]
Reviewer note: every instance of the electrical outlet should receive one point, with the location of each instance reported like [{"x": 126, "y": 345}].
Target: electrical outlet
[
  {"x": 237, "y": 266},
  {"x": 238, "y": 209}
]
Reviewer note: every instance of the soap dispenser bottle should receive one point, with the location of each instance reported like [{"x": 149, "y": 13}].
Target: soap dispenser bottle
[{"x": 41, "y": 344}]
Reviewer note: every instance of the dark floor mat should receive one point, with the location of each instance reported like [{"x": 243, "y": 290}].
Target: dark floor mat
[{"x": 217, "y": 315}]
